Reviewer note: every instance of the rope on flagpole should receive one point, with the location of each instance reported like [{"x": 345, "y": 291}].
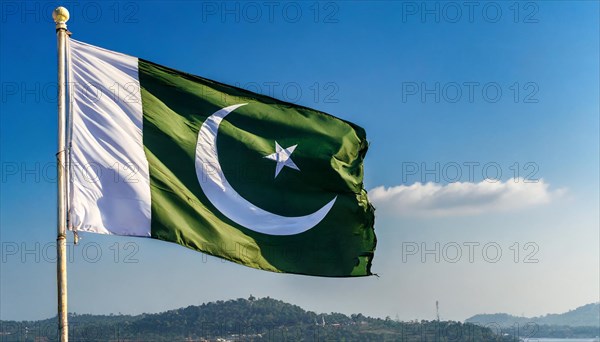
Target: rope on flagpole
[{"x": 61, "y": 16}]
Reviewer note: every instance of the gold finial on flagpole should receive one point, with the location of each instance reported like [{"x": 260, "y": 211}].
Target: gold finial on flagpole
[{"x": 60, "y": 16}]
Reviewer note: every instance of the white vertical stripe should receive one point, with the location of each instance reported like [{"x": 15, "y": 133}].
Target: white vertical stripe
[{"x": 110, "y": 184}]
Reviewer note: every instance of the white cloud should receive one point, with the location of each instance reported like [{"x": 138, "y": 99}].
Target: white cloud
[{"x": 457, "y": 199}]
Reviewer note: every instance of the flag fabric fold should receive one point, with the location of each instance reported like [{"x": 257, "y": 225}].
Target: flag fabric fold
[{"x": 155, "y": 152}]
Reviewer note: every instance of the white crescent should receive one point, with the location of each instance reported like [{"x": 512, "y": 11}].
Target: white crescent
[{"x": 231, "y": 204}]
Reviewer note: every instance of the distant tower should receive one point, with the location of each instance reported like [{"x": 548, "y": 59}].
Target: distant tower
[{"x": 437, "y": 310}]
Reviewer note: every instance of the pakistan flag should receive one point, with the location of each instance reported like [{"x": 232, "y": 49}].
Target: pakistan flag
[{"x": 159, "y": 153}]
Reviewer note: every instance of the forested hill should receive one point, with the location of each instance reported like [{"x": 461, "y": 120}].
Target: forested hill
[
  {"x": 587, "y": 315},
  {"x": 249, "y": 319}
]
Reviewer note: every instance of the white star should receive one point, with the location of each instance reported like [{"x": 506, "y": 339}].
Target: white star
[{"x": 283, "y": 158}]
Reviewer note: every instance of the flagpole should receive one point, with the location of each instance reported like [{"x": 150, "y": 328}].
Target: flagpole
[{"x": 61, "y": 16}]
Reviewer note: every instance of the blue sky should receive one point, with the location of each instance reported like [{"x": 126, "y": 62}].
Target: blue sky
[{"x": 438, "y": 86}]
